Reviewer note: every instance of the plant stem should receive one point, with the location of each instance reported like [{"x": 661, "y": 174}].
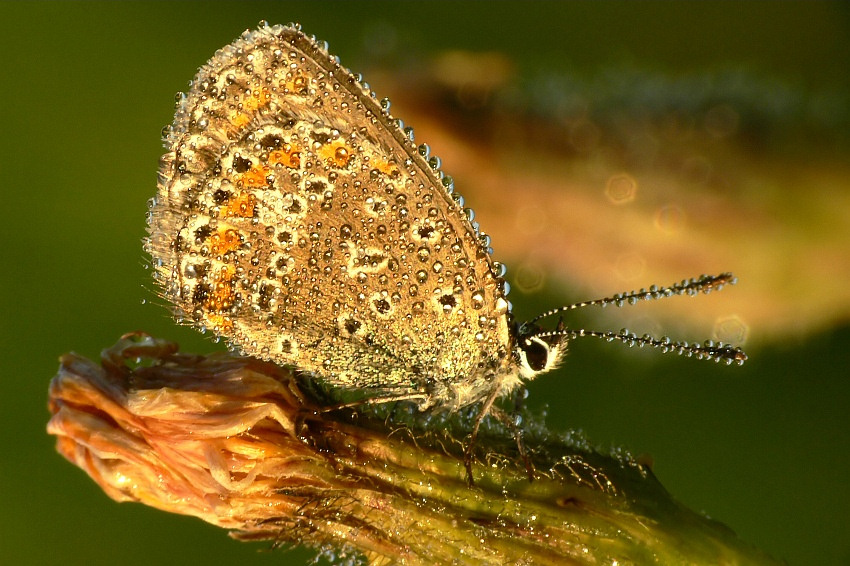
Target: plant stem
[{"x": 240, "y": 444}]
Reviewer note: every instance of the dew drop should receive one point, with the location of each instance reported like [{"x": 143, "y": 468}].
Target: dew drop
[{"x": 478, "y": 300}]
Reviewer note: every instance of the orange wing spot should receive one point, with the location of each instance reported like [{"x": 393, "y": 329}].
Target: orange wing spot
[
  {"x": 219, "y": 323},
  {"x": 224, "y": 241},
  {"x": 389, "y": 169},
  {"x": 255, "y": 177},
  {"x": 244, "y": 113},
  {"x": 336, "y": 154},
  {"x": 289, "y": 155},
  {"x": 241, "y": 206},
  {"x": 299, "y": 85},
  {"x": 223, "y": 290}
]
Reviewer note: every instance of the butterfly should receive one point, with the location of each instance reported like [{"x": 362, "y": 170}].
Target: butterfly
[{"x": 297, "y": 219}]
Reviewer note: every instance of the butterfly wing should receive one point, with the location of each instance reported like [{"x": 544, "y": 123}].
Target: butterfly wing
[{"x": 296, "y": 219}]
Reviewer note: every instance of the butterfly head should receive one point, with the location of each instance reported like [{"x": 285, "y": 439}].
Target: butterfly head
[{"x": 538, "y": 350}]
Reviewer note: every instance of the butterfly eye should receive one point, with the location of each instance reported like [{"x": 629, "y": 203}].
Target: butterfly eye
[{"x": 536, "y": 353}]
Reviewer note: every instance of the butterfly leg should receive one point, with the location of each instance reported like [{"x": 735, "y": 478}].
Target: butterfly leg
[
  {"x": 509, "y": 419},
  {"x": 486, "y": 407}
]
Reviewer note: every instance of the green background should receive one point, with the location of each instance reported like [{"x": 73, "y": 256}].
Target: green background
[{"x": 87, "y": 88}]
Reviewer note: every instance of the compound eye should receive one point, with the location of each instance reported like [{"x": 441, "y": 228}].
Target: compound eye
[{"x": 536, "y": 354}]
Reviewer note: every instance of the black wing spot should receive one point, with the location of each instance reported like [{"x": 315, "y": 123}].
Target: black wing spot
[{"x": 240, "y": 164}]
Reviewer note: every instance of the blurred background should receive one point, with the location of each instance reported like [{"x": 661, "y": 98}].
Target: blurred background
[{"x": 604, "y": 147}]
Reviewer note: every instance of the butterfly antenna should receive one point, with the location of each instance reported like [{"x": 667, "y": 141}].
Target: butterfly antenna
[
  {"x": 695, "y": 286},
  {"x": 710, "y": 350}
]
